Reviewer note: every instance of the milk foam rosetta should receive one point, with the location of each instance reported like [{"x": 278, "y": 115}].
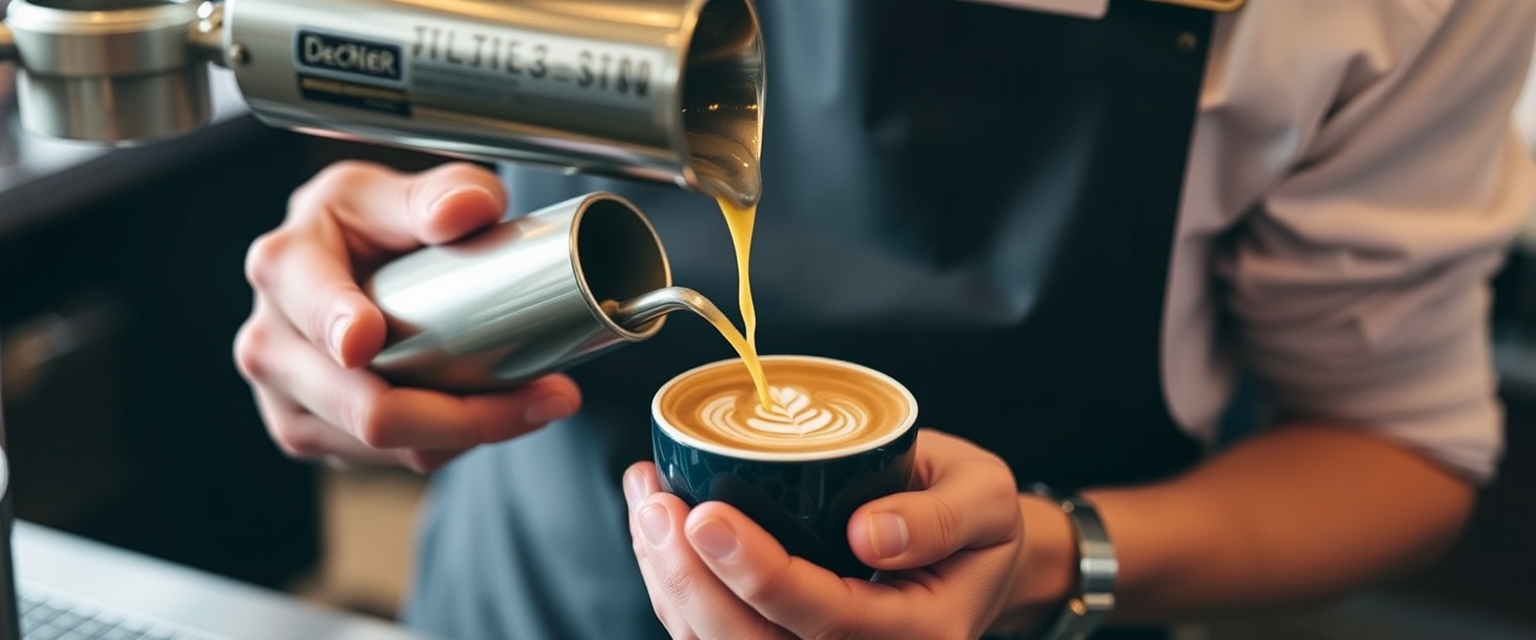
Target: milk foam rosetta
[
  {"x": 796, "y": 415},
  {"x": 816, "y": 405}
]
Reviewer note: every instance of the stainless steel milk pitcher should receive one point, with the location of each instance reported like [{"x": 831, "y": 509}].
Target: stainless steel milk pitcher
[
  {"x": 527, "y": 297},
  {"x": 667, "y": 90}
]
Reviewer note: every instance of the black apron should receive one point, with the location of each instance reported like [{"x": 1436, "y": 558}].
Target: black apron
[{"x": 979, "y": 201}]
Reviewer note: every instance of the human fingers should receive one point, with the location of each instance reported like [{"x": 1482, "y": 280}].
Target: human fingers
[
  {"x": 688, "y": 599},
  {"x": 958, "y": 597},
  {"x": 969, "y": 500},
  {"x": 356, "y": 215},
  {"x": 806, "y": 600},
  {"x": 302, "y": 436},
  {"x": 389, "y": 212},
  {"x": 359, "y": 403},
  {"x": 636, "y": 489}
]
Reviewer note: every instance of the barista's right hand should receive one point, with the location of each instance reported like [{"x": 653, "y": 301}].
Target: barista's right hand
[{"x": 312, "y": 331}]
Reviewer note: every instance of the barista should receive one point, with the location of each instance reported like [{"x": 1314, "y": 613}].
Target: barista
[{"x": 1067, "y": 237}]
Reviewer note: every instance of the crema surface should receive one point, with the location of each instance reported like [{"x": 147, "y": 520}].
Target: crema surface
[{"x": 817, "y": 405}]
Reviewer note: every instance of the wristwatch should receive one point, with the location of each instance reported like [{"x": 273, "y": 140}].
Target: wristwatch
[{"x": 1094, "y": 597}]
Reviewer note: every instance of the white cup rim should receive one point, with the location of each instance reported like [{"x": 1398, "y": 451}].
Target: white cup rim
[{"x": 895, "y": 432}]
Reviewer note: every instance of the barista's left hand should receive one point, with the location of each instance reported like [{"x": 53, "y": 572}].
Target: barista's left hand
[{"x": 947, "y": 554}]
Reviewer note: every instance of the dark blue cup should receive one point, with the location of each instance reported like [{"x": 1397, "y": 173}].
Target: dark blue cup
[{"x": 803, "y": 499}]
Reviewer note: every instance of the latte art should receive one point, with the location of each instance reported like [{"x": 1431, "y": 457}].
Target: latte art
[
  {"x": 817, "y": 405},
  {"x": 795, "y": 415}
]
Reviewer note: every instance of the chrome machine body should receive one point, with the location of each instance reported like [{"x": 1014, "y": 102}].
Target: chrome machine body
[{"x": 662, "y": 90}]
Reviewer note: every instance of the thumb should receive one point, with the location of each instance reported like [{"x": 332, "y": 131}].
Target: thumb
[{"x": 970, "y": 502}]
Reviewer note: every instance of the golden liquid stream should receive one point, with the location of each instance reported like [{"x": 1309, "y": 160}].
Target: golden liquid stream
[
  {"x": 740, "y": 220},
  {"x": 725, "y": 142}
]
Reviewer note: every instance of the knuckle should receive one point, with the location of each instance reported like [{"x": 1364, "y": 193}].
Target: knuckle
[
  {"x": 765, "y": 587},
  {"x": 303, "y": 198},
  {"x": 460, "y": 171},
  {"x": 264, "y": 256},
  {"x": 297, "y": 198},
  {"x": 329, "y": 184},
  {"x": 1002, "y": 489},
  {"x": 1000, "y": 466},
  {"x": 946, "y": 520},
  {"x": 677, "y": 587},
  {"x": 295, "y": 441},
  {"x": 343, "y": 176},
  {"x": 426, "y": 187},
  {"x": 301, "y": 446},
  {"x": 250, "y": 350}
]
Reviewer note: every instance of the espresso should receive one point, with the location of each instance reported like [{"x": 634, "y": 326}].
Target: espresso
[
  {"x": 816, "y": 405},
  {"x": 740, "y": 220}
]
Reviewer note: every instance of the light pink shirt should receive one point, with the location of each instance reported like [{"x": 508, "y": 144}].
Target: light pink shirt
[{"x": 1354, "y": 181}]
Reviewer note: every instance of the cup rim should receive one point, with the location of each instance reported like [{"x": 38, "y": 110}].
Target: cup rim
[{"x": 904, "y": 425}]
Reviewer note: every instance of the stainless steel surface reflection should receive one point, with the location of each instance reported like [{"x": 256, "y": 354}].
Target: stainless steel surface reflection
[
  {"x": 524, "y": 298},
  {"x": 107, "y": 70},
  {"x": 664, "y": 90},
  {"x": 636, "y": 312}
]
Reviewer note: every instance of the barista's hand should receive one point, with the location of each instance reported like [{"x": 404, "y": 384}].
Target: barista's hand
[
  {"x": 312, "y": 331},
  {"x": 947, "y": 554}
]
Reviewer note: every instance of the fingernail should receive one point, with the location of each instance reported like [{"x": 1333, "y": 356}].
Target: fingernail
[
  {"x": 888, "y": 534},
  {"x": 460, "y": 193},
  {"x": 633, "y": 492},
  {"x": 654, "y": 524},
  {"x": 339, "y": 328},
  {"x": 714, "y": 538},
  {"x": 547, "y": 409}
]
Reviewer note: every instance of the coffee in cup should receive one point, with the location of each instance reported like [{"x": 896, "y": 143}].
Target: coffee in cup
[{"x": 837, "y": 436}]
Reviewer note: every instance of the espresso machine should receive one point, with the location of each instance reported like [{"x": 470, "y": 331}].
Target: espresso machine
[
  {"x": 661, "y": 90},
  {"x": 658, "y": 90}
]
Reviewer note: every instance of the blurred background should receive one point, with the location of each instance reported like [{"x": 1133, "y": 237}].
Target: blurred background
[{"x": 121, "y": 289}]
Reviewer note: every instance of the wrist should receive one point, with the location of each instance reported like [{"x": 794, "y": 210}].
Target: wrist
[{"x": 1045, "y": 574}]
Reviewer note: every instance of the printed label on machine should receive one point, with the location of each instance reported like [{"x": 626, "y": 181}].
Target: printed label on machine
[
  {"x": 475, "y": 68},
  {"x": 363, "y": 73},
  {"x": 538, "y": 78}
]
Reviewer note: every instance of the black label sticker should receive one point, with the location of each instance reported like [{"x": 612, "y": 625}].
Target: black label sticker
[{"x": 351, "y": 56}]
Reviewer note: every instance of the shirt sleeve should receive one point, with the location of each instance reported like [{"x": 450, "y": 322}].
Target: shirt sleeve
[{"x": 1359, "y": 280}]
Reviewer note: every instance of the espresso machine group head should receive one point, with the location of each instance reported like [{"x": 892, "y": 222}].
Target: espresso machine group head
[{"x": 660, "y": 90}]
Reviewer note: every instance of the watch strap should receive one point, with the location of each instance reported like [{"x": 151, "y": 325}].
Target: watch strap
[{"x": 1094, "y": 598}]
